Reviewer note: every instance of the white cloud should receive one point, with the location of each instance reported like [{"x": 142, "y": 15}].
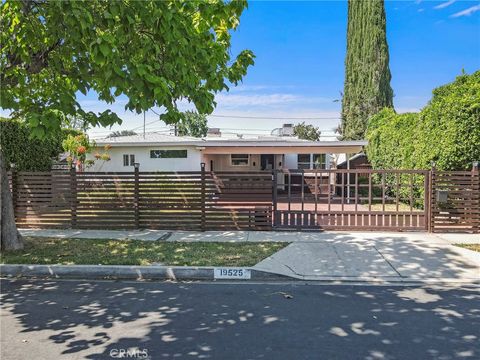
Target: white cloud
[
  {"x": 444, "y": 4},
  {"x": 254, "y": 99},
  {"x": 467, "y": 12}
]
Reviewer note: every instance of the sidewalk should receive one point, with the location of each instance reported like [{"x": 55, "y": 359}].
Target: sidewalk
[{"x": 352, "y": 256}]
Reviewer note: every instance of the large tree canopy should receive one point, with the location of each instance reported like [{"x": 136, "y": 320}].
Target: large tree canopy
[
  {"x": 153, "y": 52},
  {"x": 367, "y": 74}
]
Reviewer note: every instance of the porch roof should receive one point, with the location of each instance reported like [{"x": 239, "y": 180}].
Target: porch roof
[{"x": 319, "y": 147}]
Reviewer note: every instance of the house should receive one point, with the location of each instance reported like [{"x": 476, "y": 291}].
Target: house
[{"x": 220, "y": 152}]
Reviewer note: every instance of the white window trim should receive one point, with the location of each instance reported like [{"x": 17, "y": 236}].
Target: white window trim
[
  {"x": 311, "y": 163},
  {"x": 247, "y": 164}
]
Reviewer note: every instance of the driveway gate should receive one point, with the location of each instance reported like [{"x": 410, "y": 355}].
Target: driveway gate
[{"x": 346, "y": 199}]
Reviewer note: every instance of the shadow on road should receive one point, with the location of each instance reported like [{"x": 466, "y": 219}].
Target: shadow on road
[{"x": 244, "y": 321}]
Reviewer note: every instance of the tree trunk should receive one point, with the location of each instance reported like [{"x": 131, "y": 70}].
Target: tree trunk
[{"x": 10, "y": 238}]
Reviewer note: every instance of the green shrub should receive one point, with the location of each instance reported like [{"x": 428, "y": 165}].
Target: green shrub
[
  {"x": 446, "y": 131},
  {"x": 27, "y": 153}
]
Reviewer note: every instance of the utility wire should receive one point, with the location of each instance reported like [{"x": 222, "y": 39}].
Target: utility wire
[{"x": 275, "y": 117}]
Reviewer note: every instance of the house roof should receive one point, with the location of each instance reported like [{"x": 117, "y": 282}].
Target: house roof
[{"x": 159, "y": 139}]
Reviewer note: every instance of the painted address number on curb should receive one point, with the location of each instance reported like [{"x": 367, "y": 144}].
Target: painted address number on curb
[{"x": 231, "y": 273}]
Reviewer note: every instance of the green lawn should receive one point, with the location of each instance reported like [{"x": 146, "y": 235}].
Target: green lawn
[
  {"x": 137, "y": 252},
  {"x": 474, "y": 247}
]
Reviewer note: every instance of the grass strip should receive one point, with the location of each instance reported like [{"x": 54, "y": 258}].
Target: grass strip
[{"x": 138, "y": 252}]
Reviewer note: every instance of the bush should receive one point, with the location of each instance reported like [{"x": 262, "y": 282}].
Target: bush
[
  {"x": 446, "y": 131},
  {"x": 27, "y": 153}
]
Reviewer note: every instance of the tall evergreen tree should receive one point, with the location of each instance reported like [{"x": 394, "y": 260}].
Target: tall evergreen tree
[{"x": 367, "y": 87}]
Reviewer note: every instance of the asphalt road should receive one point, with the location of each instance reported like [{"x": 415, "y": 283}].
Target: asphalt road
[{"x": 104, "y": 320}]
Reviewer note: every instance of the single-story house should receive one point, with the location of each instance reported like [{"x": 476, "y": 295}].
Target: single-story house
[{"x": 155, "y": 151}]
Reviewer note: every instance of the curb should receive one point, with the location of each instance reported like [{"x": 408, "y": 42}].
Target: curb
[
  {"x": 201, "y": 273},
  {"x": 126, "y": 272}
]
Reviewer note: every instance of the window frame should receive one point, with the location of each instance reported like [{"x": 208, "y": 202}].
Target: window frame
[
  {"x": 165, "y": 151},
  {"x": 232, "y": 160},
  {"x": 302, "y": 164},
  {"x": 323, "y": 163},
  {"x": 128, "y": 159}
]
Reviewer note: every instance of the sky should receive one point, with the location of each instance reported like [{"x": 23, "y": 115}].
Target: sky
[{"x": 299, "y": 68}]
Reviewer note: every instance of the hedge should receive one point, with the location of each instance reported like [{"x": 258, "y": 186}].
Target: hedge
[
  {"x": 446, "y": 131},
  {"x": 26, "y": 152}
]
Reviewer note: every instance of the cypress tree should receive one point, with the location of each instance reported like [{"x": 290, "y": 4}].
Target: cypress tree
[{"x": 367, "y": 87}]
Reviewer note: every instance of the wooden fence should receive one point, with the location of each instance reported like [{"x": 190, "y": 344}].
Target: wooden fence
[
  {"x": 455, "y": 201},
  {"x": 398, "y": 200},
  {"x": 180, "y": 200}
]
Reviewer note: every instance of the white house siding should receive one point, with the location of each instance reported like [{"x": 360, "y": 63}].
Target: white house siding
[{"x": 142, "y": 156}]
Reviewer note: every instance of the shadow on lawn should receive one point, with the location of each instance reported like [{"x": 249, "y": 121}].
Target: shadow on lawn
[{"x": 242, "y": 321}]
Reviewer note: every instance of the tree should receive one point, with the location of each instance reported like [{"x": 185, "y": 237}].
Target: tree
[
  {"x": 306, "y": 132},
  {"x": 153, "y": 52},
  {"x": 193, "y": 124},
  {"x": 367, "y": 87},
  {"x": 121, "y": 133}
]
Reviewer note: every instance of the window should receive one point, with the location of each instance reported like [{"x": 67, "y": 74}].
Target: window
[
  {"x": 312, "y": 161},
  {"x": 319, "y": 161},
  {"x": 303, "y": 161},
  {"x": 239, "y": 159},
  {"x": 168, "y": 154},
  {"x": 128, "y": 160}
]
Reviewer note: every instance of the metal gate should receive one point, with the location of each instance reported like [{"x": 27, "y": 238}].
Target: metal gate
[{"x": 348, "y": 199}]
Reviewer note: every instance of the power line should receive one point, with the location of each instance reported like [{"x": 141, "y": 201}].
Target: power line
[{"x": 275, "y": 118}]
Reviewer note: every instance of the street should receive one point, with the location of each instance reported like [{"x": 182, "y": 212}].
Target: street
[{"x": 67, "y": 319}]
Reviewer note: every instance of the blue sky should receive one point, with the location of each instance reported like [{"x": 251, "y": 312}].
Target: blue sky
[{"x": 299, "y": 70}]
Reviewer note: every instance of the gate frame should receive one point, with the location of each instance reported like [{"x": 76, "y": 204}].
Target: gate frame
[{"x": 309, "y": 219}]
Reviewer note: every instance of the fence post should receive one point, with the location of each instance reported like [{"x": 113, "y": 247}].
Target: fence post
[
  {"x": 476, "y": 184},
  {"x": 431, "y": 197},
  {"x": 203, "y": 198},
  {"x": 136, "y": 195},
  {"x": 14, "y": 188},
  {"x": 427, "y": 202},
  {"x": 274, "y": 196},
  {"x": 73, "y": 194}
]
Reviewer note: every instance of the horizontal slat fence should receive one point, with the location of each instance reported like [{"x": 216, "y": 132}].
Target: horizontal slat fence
[
  {"x": 455, "y": 201},
  {"x": 348, "y": 199},
  {"x": 129, "y": 200}
]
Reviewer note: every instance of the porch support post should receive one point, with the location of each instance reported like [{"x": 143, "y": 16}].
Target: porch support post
[{"x": 348, "y": 177}]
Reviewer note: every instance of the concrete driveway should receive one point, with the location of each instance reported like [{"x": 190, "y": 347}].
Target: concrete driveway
[{"x": 376, "y": 257}]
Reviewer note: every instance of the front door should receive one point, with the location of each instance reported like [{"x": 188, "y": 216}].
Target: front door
[{"x": 267, "y": 161}]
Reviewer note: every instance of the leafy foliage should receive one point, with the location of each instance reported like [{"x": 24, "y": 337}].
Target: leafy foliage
[
  {"x": 121, "y": 133},
  {"x": 367, "y": 87},
  {"x": 152, "y": 52},
  {"x": 306, "y": 132},
  {"x": 78, "y": 147},
  {"x": 446, "y": 131},
  {"x": 193, "y": 124},
  {"x": 26, "y": 152}
]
